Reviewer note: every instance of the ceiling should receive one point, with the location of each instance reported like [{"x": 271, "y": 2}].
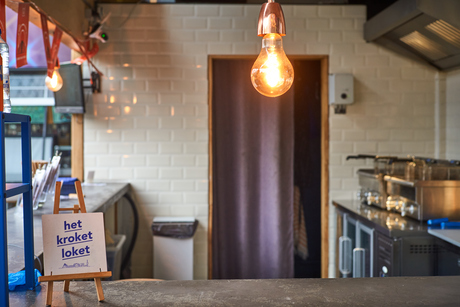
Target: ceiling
[{"x": 373, "y": 6}]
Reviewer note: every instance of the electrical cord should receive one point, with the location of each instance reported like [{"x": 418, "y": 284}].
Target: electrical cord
[{"x": 125, "y": 261}]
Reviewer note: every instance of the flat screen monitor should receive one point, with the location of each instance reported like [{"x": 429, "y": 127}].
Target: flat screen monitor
[{"x": 70, "y": 98}]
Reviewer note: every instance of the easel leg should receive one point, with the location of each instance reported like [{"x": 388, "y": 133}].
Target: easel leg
[
  {"x": 100, "y": 293},
  {"x": 49, "y": 293},
  {"x": 66, "y": 285}
]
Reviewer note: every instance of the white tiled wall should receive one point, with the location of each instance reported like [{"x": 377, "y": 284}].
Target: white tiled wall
[
  {"x": 453, "y": 115},
  {"x": 149, "y": 126},
  {"x": 440, "y": 115}
]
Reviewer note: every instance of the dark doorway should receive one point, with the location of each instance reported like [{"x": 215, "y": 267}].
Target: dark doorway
[
  {"x": 309, "y": 153},
  {"x": 307, "y": 157},
  {"x": 253, "y": 150}
]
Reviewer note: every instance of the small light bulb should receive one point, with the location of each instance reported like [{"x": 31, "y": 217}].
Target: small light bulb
[
  {"x": 55, "y": 82},
  {"x": 272, "y": 74}
]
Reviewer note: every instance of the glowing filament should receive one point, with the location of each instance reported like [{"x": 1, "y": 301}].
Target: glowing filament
[{"x": 272, "y": 74}]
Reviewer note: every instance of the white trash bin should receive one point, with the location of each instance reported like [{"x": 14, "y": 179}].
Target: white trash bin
[{"x": 173, "y": 247}]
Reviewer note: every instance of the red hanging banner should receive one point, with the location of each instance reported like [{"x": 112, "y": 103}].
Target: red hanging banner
[
  {"x": 56, "y": 43},
  {"x": 87, "y": 55},
  {"x": 2, "y": 19},
  {"x": 22, "y": 36},
  {"x": 46, "y": 41}
]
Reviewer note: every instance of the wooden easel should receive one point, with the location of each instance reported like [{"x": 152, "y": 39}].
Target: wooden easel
[{"x": 67, "y": 277}]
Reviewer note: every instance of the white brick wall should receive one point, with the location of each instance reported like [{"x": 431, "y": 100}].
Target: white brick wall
[
  {"x": 452, "y": 124},
  {"x": 154, "y": 100}
]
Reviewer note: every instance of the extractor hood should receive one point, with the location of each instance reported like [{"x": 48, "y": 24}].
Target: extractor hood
[{"x": 425, "y": 30}]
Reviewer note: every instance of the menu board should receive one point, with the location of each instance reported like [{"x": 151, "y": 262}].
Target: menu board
[{"x": 74, "y": 243}]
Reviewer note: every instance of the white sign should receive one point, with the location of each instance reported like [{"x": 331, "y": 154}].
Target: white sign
[{"x": 74, "y": 243}]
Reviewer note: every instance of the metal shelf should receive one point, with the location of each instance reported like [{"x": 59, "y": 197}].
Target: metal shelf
[
  {"x": 13, "y": 189},
  {"x": 15, "y": 118},
  {"x": 8, "y": 190}
]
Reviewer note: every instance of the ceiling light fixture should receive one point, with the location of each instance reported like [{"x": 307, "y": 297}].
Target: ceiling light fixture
[{"x": 272, "y": 74}]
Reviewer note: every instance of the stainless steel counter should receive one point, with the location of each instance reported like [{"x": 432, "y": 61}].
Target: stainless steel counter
[
  {"x": 449, "y": 235},
  {"x": 98, "y": 198},
  {"x": 387, "y": 223},
  {"x": 391, "y": 291}
]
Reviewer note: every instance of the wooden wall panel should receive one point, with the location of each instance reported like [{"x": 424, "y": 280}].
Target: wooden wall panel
[{"x": 77, "y": 146}]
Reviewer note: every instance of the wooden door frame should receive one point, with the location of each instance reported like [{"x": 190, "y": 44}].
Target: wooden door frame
[
  {"x": 324, "y": 59},
  {"x": 77, "y": 145}
]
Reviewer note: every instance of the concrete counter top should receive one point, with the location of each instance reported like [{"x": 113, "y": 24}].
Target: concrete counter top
[{"x": 391, "y": 291}]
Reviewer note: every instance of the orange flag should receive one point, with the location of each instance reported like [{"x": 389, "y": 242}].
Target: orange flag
[
  {"x": 2, "y": 19},
  {"x": 22, "y": 36}
]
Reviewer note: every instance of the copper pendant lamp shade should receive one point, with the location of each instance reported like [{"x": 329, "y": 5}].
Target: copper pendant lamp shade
[{"x": 271, "y": 19}]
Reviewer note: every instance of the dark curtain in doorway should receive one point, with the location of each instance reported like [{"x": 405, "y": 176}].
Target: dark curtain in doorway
[
  {"x": 253, "y": 141},
  {"x": 307, "y": 160}
]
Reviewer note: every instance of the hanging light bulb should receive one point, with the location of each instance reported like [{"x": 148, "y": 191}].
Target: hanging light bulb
[
  {"x": 55, "y": 82},
  {"x": 272, "y": 74}
]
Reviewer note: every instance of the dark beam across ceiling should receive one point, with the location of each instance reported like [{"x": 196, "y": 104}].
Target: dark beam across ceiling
[{"x": 373, "y": 6}]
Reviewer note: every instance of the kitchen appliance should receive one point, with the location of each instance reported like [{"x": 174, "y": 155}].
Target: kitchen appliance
[
  {"x": 448, "y": 242},
  {"x": 430, "y": 189},
  {"x": 372, "y": 186},
  {"x": 424, "y": 30},
  {"x": 356, "y": 250},
  {"x": 377, "y": 243}
]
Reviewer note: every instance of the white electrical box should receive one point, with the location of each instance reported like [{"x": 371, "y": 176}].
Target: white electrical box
[{"x": 341, "y": 89}]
